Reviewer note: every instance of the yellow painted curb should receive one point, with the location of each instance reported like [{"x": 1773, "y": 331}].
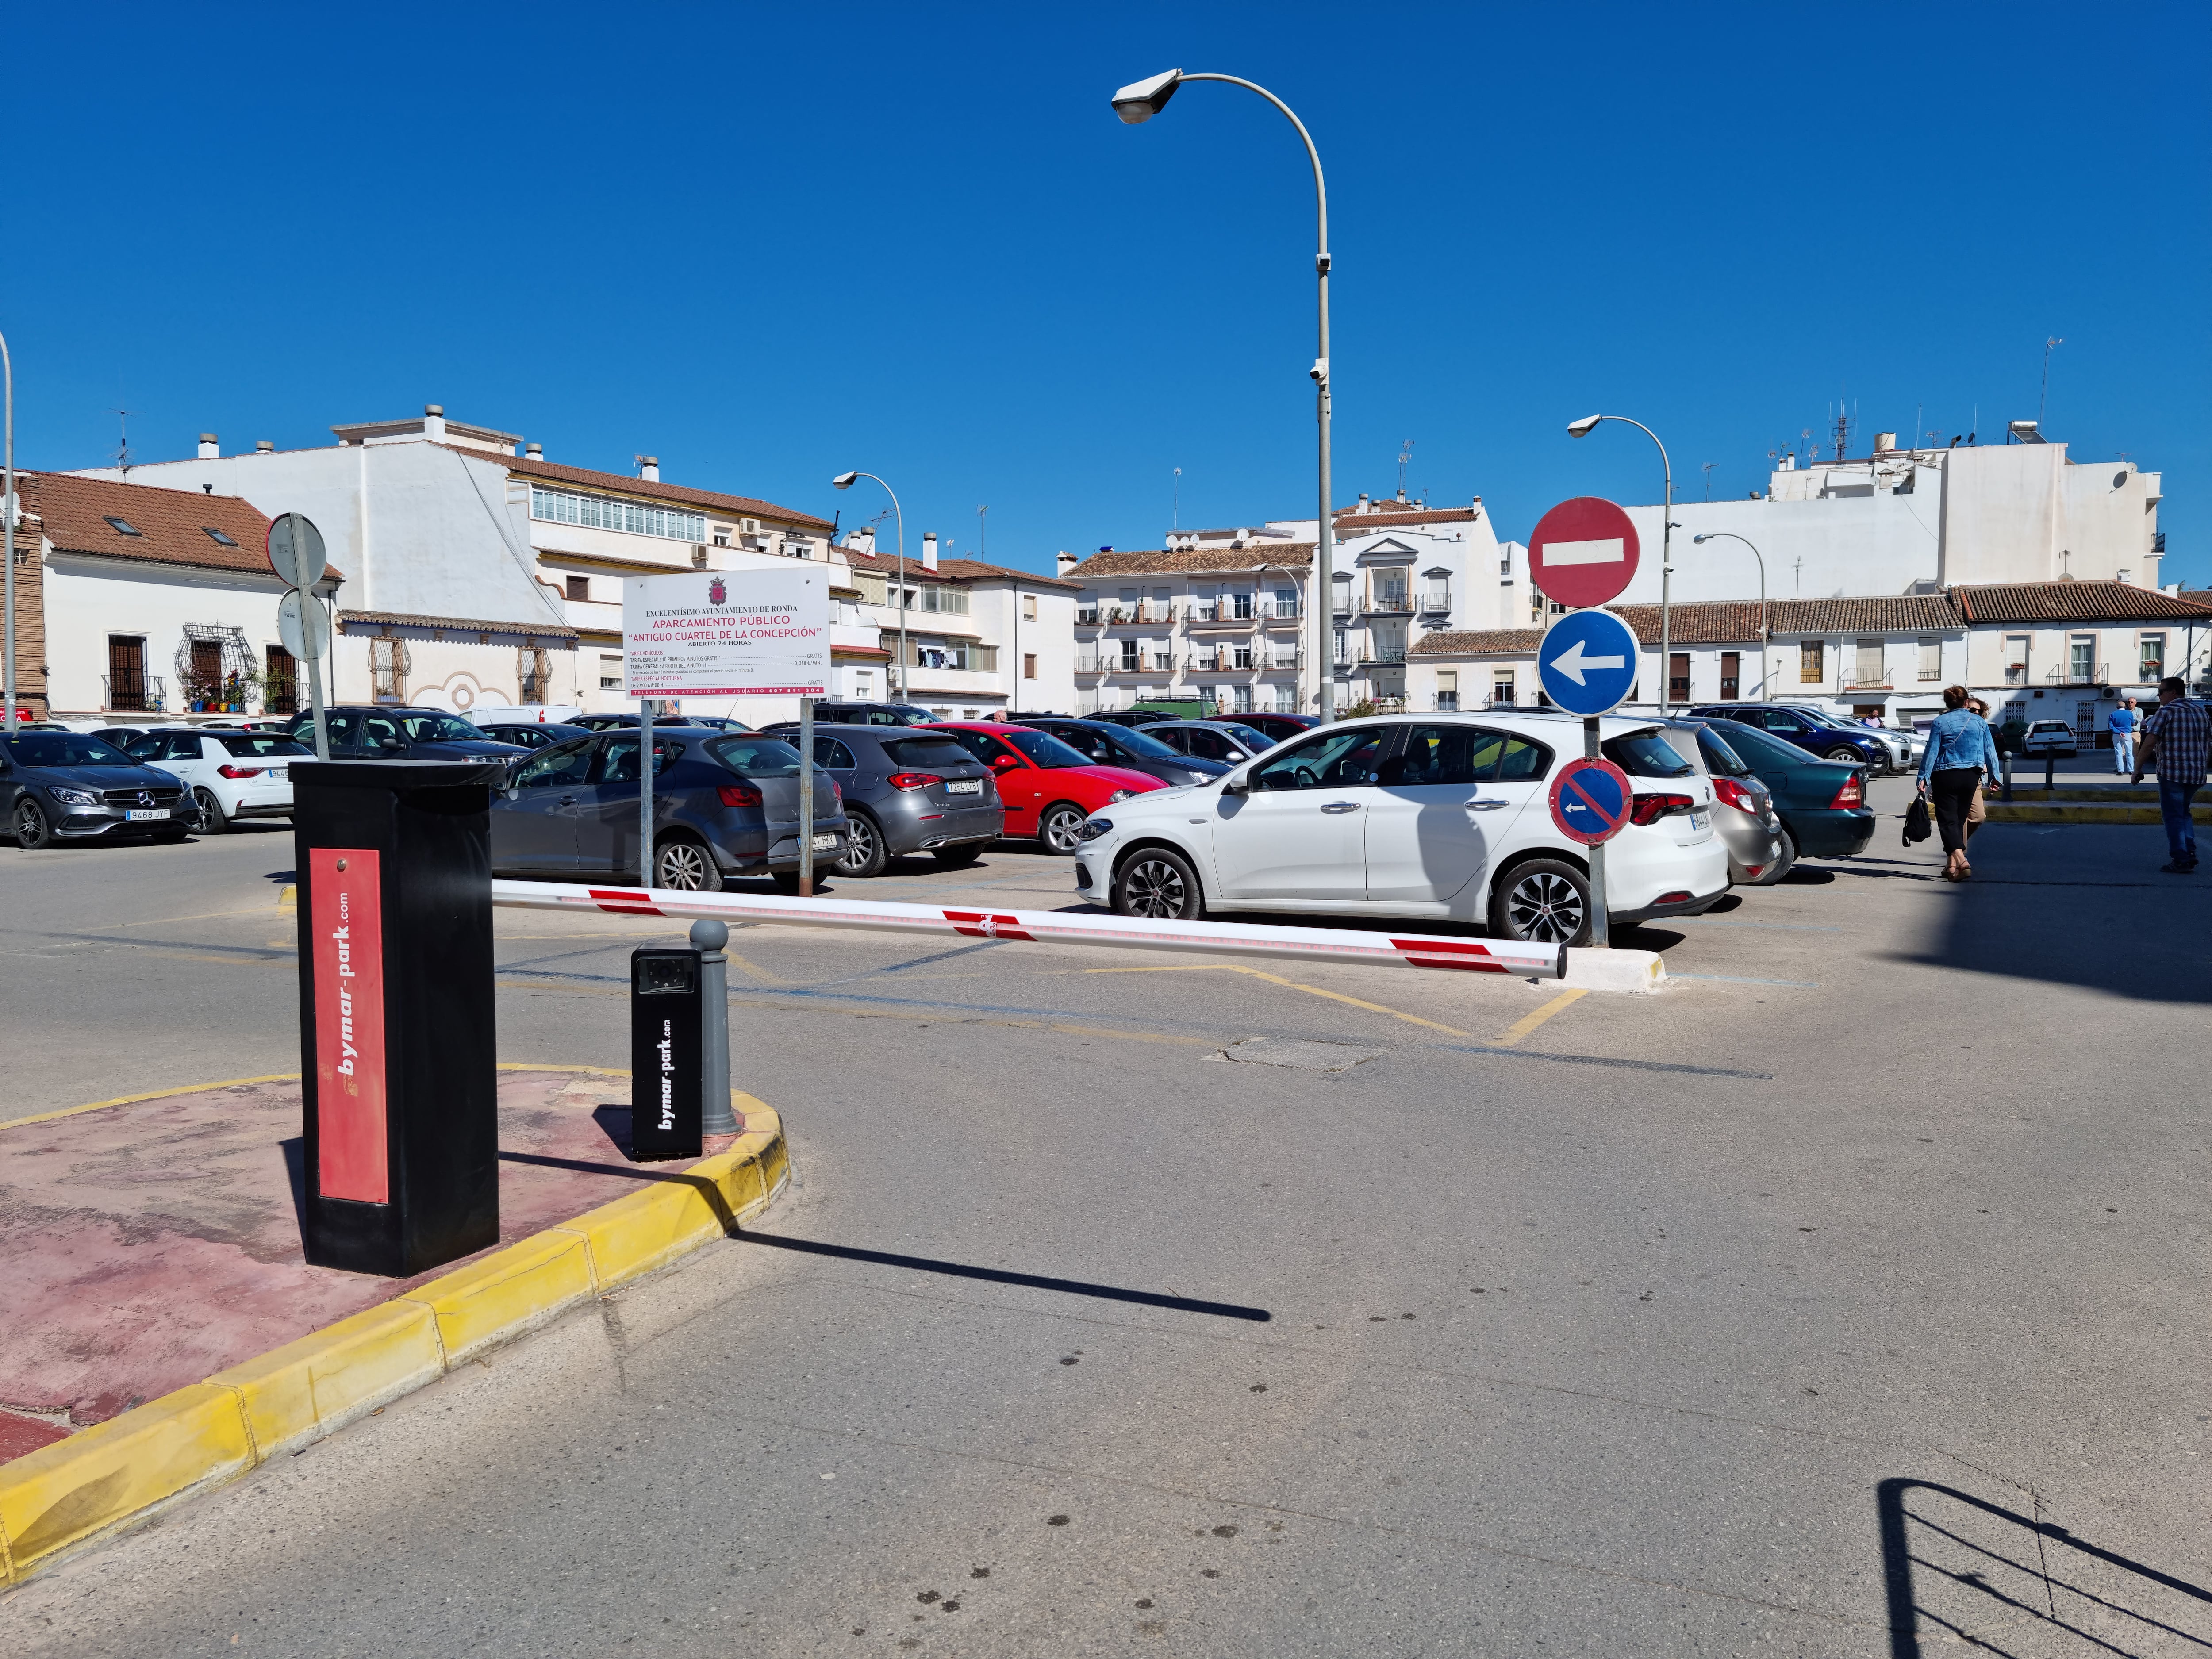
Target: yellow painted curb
[{"x": 78, "y": 1491}]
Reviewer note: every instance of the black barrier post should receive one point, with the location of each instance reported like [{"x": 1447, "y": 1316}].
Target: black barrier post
[
  {"x": 664, "y": 1047},
  {"x": 716, "y": 1116},
  {"x": 393, "y": 861}
]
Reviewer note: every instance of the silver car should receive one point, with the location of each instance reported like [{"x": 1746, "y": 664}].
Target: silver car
[
  {"x": 1743, "y": 810},
  {"x": 1226, "y": 740}
]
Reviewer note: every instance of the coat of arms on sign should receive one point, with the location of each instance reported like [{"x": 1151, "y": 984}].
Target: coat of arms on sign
[{"x": 716, "y": 592}]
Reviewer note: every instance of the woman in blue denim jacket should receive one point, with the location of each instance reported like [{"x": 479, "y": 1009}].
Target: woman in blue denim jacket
[{"x": 1961, "y": 751}]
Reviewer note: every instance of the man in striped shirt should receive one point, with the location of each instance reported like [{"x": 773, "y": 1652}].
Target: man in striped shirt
[{"x": 2175, "y": 739}]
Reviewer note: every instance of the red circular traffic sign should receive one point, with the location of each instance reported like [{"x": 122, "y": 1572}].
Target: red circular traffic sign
[
  {"x": 1591, "y": 799},
  {"x": 1583, "y": 552}
]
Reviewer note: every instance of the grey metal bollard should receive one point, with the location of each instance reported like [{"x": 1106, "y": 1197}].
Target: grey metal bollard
[{"x": 717, "y": 1117}]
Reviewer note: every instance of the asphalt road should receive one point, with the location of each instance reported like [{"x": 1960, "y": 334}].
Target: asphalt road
[{"x": 1748, "y": 1317}]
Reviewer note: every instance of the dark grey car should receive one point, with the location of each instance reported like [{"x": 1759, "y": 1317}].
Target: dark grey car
[
  {"x": 724, "y": 804},
  {"x": 58, "y": 787},
  {"x": 1127, "y": 746},
  {"x": 389, "y": 731},
  {"x": 907, "y": 792},
  {"x": 529, "y": 734}
]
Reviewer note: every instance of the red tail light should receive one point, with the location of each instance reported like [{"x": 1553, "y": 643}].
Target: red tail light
[
  {"x": 239, "y": 771},
  {"x": 739, "y": 794},
  {"x": 1853, "y": 794},
  {"x": 1650, "y": 808},
  {"x": 1735, "y": 794},
  {"x": 912, "y": 779}
]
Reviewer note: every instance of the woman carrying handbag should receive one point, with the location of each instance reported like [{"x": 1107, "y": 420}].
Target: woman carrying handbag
[{"x": 1962, "y": 752}]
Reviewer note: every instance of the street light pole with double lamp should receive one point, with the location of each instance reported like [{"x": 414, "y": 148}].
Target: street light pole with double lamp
[
  {"x": 1583, "y": 429},
  {"x": 1137, "y": 103}
]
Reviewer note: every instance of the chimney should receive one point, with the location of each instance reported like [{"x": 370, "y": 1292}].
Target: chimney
[
  {"x": 434, "y": 422},
  {"x": 649, "y": 468},
  {"x": 1067, "y": 562},
  {"x": 929, "y": 549},
  {"x": 533, "y": 452},
  {"x": 263, "y": 446},
  {"x": 210, "y": 449},
  {"x": 1884, "y": 442},
  {"x": 863, "y": 542}
]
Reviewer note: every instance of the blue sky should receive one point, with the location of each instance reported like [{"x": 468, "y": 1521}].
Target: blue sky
[{"x": 769, "y": 244}]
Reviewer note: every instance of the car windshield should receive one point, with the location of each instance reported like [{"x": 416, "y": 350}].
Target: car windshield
[
  {"x": 1253, "y": 740},
  {"x": 1043, "y": 749},
  {"x": 1646, "y": 755},
  {"x": 925, "y": 754},
  {"x": 1137, "y": 743},
  {"x": 1763, "y": 749},
  {"x": 1721, "y": 760},
  {"x": 756, "y": 756},
  {"x": 258, "y": 743},
  {"x": 440, "y": 728},
  {"x": 64, "y": 749}
]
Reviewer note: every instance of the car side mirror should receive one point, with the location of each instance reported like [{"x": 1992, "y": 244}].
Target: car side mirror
[
  {"x": 1004, "y": 762},
  {"x": 392, "y": 745},
  {"x": 1236, "y": 784}
]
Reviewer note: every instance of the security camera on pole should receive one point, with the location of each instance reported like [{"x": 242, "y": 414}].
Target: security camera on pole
[
  {"x": 1582, "y": 553},
  {"x": 295, "y": 554}
]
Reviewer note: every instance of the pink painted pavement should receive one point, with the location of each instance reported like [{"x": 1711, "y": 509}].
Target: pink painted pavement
[{"x": 148, "y": 1246}]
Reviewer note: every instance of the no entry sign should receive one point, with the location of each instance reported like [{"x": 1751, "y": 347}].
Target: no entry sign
[
  {"x": 1583, "y": 552},
  {"x": 1590, "y": 800}
]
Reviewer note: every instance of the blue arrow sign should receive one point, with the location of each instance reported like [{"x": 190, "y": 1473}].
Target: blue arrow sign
[{"x": 1587, "y": 662}]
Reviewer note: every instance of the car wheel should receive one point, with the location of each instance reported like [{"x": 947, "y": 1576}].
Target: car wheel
[
  {"x": 1853, "y": 755},
  {"x": 1056, "y": 827},
  {"x": 957, "y": 858},
  {"x": 1158, "y": 884},
  {"x": 31, "y": 829},
  {"x": 1543, "y": 901},
  {"x": 685, "y": 867},
  {"x": 865, "y": 853},
  {"x": 212, "y": 820},
  {"x": 1784, "y": 861}
]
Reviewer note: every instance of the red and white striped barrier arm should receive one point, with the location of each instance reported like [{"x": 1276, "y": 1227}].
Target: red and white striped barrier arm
[{"x": 1229, "y": 939}]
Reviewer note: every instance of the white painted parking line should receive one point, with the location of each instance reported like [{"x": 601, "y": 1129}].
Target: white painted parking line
[
  {"x": 1740, "y": 978},
  {"x": 1763, "y": 927}
]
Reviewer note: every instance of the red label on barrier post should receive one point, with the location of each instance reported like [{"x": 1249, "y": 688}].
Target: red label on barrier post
[{"x": 348, "y": 920}]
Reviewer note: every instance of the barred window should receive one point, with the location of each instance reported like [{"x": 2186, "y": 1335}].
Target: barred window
[{"x": 633, "y": 518}]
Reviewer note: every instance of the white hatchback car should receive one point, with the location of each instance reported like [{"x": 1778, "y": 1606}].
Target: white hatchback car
[
  {"x": 232, "y": 774},
  {"x": 1444, "y": 816}
]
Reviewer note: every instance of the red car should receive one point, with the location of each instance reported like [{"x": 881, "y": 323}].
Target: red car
[{"x": 1048, "y": 788}]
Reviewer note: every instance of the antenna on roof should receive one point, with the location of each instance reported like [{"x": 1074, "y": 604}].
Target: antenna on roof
[
  {"x": 1175, "y": 510},
  {"x": 1708, "y": 466},
  {"x": 1404, "y": 455},
  {"x": 123, "y": 437},
  {"x": 982, "y": 526}
]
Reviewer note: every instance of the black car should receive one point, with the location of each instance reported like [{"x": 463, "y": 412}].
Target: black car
[
  {"x": 388, "y": 732},
  {"x": 532, "y": 734},
  {"x": 724, "y": 804},
  {"x": 1127, "y": 746},
  {"x": 1815, "y": 732},
  {"x": 629, "y": 722},
  {"x": 59, "y": 787},
  {"x": 1280, "y": 727},
  {"x": 1131, "y": 716},
  {"x": 905, "y": 792}
]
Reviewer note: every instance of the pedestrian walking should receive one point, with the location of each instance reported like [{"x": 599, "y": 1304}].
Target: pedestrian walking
[
  {"x": 1962, "y": 752},
  {"x": 1978, "y": 810},
  {"x": 2124, "y": 723},
  {"x": 2174, "y": 741}
]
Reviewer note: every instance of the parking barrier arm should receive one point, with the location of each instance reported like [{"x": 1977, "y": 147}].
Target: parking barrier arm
[{"x": 1229, "y": 938}]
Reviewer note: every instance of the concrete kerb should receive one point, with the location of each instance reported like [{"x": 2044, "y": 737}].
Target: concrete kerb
[
  {"x": 1614, "y": 970},
  {"x": 79, "y": 1490}
]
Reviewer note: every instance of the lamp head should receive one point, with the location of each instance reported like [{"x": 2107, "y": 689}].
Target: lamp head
[
  {"x": 844, "y": 481},
  {"x": 1140, "y": 100},
  {"x": 1584, "y": 426},
  {"x": 1697, "y": 540}
]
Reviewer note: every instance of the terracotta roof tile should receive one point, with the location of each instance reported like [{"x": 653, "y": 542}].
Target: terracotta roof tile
[
  {"x": 172, "y": 525},
  {"x": 2074, "y": 601},
  {"x": 1724, "y": 621},
  {"x": 1187, "y": 560},
  {"x": 969, "y": 570},
  {"x": 1478, "y": 642},
  {"x": 1351, "y": 518},
  {"x": 546, "y": 630},
  {"x": 741, "y": 507}
]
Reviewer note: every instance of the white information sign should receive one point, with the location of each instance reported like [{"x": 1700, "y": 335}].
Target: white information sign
[{"x": 728, "y": 634}]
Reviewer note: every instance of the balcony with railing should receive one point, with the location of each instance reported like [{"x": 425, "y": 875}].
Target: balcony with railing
[
  {"x": 1869, "y": 680},
  {"x": 1390, "y": 604},
  {"x": 2082, "y": 671},
  {"x": 134, "y": 693}
]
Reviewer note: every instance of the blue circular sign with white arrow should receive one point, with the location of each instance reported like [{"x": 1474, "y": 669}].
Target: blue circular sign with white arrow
[{"x": 1587, "y": 662}]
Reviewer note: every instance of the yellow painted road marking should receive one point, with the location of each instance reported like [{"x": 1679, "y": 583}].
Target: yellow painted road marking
[
  {"x": 1276, "y": 978},
  {"x": 1520, "y": 1028},
  {"x": 158, "y": 1094}
]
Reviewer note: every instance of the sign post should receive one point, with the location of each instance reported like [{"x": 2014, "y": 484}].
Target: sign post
[
  {"x": 1587, "y": 665},
  {"x": 806, "y": 798},
  {"x": 724, "y": 634},
  {"x": 295, "y": 554}
]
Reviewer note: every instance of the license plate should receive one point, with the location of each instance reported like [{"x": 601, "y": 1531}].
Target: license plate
[
  {"x": 278, "y": 774},
  {"x": 964, "y": 786},
  {"x": 1699, "y": 820},
  {"x": 148, "y": 813},
  {"x": 823, "y": 843}
]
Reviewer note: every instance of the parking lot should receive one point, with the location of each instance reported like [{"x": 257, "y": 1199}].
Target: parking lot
[{"x": 1131, "y": 1302}]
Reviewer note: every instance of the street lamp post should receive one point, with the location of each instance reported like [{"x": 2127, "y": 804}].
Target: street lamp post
[
  {"x": 846, "y": 481},
  {"x": 1297, "y": 674},
  {"x": 1764, "y": 633},
  {"x": 1583, "y": 429},
  {"x": 1137, "y": 103}
]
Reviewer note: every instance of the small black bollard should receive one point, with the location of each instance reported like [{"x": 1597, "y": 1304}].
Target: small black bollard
[{"x": 663, "y": 1047}]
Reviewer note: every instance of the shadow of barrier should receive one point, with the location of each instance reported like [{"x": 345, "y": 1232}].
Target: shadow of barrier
[{"x": 1962, "y": 1571}]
